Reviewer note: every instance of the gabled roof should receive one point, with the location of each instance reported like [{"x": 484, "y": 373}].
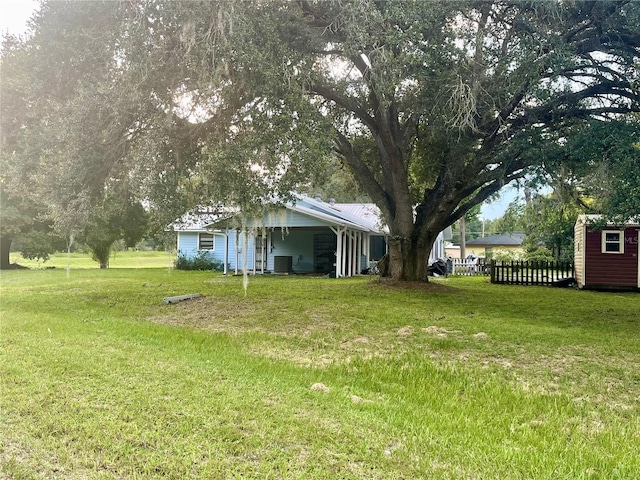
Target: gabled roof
[
  {"x": 500, "y": 240},
  {"x": 368, "y": 213},
  {"x": 362, "y": 216},
  {"x": 357, "y": 216},
  {"x": 198, "y": 219}
]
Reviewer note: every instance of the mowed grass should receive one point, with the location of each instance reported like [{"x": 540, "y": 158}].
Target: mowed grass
[
  {"x": 314, "y": 378},
  {"x": 123, "y": 259}
]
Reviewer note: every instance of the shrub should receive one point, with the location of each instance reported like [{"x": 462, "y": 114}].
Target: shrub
[
  {"x": 506, "y": 255},
  {"x": 539, "y": 254},
  {"x": 201, "y": 261}
]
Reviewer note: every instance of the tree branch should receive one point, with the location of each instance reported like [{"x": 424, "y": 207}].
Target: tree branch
[
  {"x": 364, "y": 174},
  {"x": 348, "y": 103}
]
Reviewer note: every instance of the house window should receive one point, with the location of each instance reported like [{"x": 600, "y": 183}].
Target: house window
[
  {"x": 205, "y": 241},
  {"x": 612, "y": 241}
]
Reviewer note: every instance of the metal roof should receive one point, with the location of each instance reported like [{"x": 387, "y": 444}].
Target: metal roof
[
  {"x": 358, "y": 216},
  {"x": 198, "y": 219},
  {"x": 500, "y": 240}
]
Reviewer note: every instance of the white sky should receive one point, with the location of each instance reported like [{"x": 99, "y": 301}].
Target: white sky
[{"x": 14, "y": 15}]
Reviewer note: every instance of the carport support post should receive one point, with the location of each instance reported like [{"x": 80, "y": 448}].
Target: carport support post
[
  {"x": 262, "y": 252},
  {"x": 345, "y": 246},
  {"x": 339, "y": 253},
  {"x": 366, "y": 248},
  {"x": 349, "y": 260},
  {"x": 361, "y": 250},
  {"x": 339, "y": 250},
  {"x": 226, "y": 251},
  {"x": 253, "y": 235},
  {"x": 355, "y": 253},
  {"x": 237, "y": 258}
]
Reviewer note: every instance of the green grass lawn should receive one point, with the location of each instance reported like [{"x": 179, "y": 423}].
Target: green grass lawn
[
  {"x": 313, "y": 378},
  {"x": 124, "y": 259}
]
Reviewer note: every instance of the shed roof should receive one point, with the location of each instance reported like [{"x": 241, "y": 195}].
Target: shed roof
[
  {"x": 595, "y": 219},
  {"x": 500, "y": 240}
]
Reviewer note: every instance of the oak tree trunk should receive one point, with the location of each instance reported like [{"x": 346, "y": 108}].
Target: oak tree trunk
[
  {"x": 408, "y": 257},
  {"x": 5, "y": 247}
]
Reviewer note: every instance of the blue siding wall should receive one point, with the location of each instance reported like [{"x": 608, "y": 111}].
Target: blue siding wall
[
  {"x": 188, "y": 246},
  {"x": 297, "y": 244}
]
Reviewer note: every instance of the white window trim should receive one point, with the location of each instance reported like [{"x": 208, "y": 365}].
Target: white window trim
[
  {"x": 620, "y": 242},
  {"x": 213, "y": 242}
]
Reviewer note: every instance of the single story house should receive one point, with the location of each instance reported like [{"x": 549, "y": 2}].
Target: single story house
[
  {"x": 488, "y": 247},
  {"x": 606, "y": 256},
  {"x": 451, "y": 250},
  {"x": 307, "y": 236}
]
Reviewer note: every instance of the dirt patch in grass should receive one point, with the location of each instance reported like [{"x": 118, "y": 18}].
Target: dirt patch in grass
[
  {"x": 308, "y": 337},
  {"x": 208, "y": 313},
  {"x": 571, "y": 371},
  {"x": 317, "y": 335},
  {"x": 328, "y": 333},
  {"x": 240, "y": 315}
]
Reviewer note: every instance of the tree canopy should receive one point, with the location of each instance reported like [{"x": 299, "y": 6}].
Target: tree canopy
[
  {"x": 433, "y": 106},
  {"x": 596, "y": 167}
]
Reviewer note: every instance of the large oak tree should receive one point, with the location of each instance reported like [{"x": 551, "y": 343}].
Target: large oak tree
[{"x": 433, "y": 106}]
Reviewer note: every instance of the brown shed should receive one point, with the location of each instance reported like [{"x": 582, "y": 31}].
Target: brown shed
[{"x": 607, "y": 257}]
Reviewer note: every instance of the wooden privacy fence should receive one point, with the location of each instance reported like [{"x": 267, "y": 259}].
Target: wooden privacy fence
[{"x": 532, "y": 273}]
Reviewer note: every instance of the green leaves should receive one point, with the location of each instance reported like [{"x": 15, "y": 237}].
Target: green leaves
[
  {"x": 600, "y": 163},
  {"x": 117, "y": 217}
]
